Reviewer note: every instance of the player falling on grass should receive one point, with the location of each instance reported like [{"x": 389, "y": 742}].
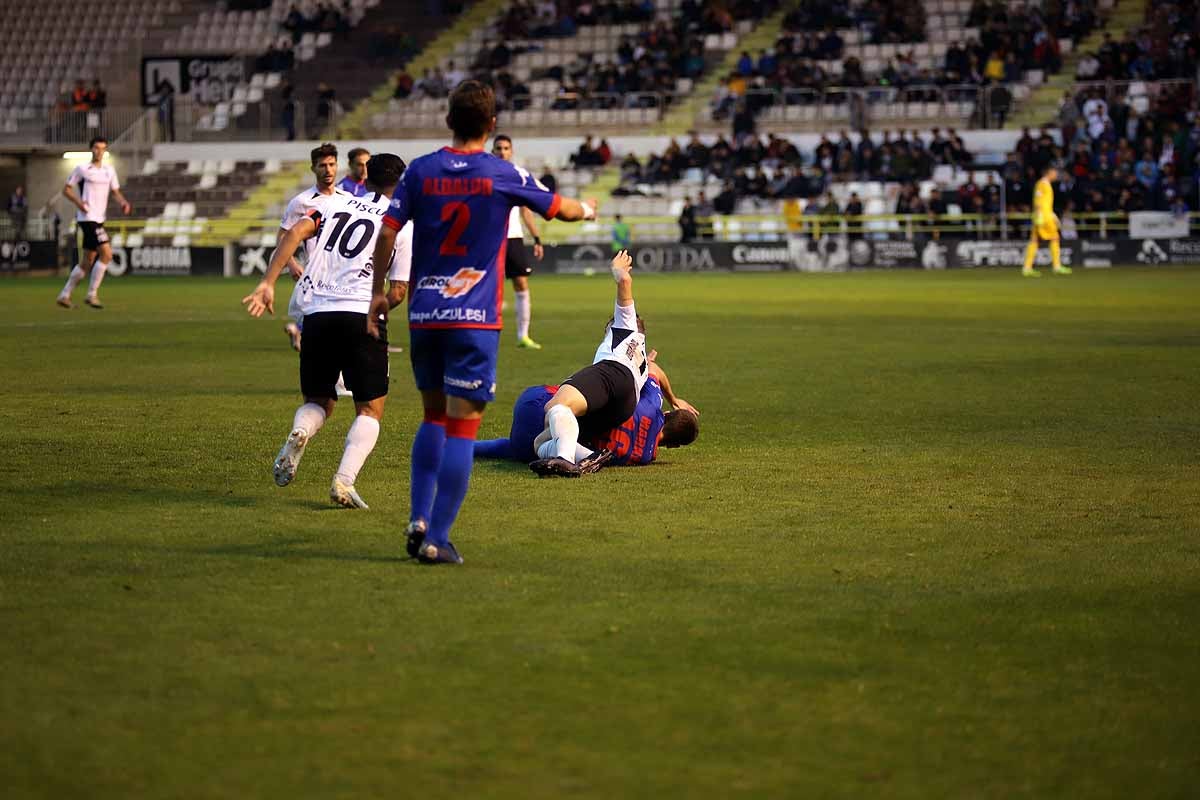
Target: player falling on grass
[
  {"x": 517, "y": 267},
  {"x": 1045, "y": 226},
  {"x": 355, "y": 181},
  {"x": 88, "y": 188},
  {"x": 323, "y": 162},
  {"x": 634, "y": 442},
  {"x": 602, "y": 396},
  {"x": 458, "y": 200},
  {"x": 335, "y": 296}
]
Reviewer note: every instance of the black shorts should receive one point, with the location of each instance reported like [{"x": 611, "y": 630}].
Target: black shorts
[
  {"x": 517, "y": 260},
  {"x": 337, "y": 341},
  {"x": 611, "y": 395},
  {"x": 94, "y": 234}
]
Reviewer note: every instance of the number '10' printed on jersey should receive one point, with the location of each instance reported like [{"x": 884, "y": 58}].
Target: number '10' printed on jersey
[{"x": 338, "y": 276}]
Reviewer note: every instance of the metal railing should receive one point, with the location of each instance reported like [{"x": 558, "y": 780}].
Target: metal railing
[{"x": 1099, "y": 225}]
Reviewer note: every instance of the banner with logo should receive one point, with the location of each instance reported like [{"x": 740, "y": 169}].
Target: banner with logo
[
  {"x": 167, "y": 261},
  {"x": 20, "y": 255},
  {"x": 769, "y": 255},
  {"x": 1157, "y": 225},
  {"x": 207, "y": 80}
]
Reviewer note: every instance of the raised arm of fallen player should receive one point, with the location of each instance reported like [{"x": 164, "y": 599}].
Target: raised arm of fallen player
[
  {"x": 664, "y": 383},
  {"x": 263, "y": 296}
]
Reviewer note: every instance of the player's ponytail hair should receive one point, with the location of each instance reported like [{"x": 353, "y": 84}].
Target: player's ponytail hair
[
  {"x": 680, "y": 427},
  {"x": 472, "y": 110}
]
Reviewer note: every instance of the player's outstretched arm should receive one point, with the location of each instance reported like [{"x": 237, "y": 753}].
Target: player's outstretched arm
[
  {"x": 669, "y": 395},
  {"x": 385, "y": 242},
  {"x": 263, "y": 297},
  {"x": 571, "y": 210},
  {"x": 622, "y": 266}
]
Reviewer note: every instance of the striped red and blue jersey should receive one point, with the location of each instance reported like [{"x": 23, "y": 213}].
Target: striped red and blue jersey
[
  {"x": 635, "y": 442},
  {"x": 459, "y": 202}
]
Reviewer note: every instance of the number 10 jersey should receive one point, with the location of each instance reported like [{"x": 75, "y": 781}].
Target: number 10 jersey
[{"x": 338, "y": 276}]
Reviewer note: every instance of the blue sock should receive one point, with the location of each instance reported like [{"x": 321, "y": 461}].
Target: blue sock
[
  {"x": 426, "y": 461},
  {"x": 452, "y": 481},
  {"x": 492, "y": 448}
]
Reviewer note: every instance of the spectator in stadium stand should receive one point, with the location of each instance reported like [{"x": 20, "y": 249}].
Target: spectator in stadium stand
[
  {"x": 704, "y": 217},
  {"x": 404, "y": 85},
  {"x": 621, "y": 236},
  {"x": 687, "y": 221},
  {"x": 288, "y": 113},
  {"x": 18, "y": 210},
  {"x": 854, "y": 208},
  {"x": 97, "y": 98},
  {"x": 79, "y": 97},
  {"x": 326, "y": 103}
]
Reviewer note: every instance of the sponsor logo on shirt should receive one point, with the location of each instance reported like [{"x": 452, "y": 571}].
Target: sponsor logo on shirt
[{"x": 455, "y": 285}]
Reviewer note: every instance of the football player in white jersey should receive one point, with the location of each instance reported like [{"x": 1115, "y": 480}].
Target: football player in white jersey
[
  {"x": 516, "y": 262},
  {"x": 324, "y": 169},
  {"x": 600, "y": 397},
  {"x": 334, "y": 295},
  {"x": 88, "y": 188}
]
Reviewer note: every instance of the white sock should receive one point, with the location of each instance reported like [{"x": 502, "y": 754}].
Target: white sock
[
  {"x": 77, "y": 274},
  {"x": 523, "y": 313},
  {"x": 360, "y": 441},
  {"x": 98, "y": 270},
  {"x": 310, "y": 417},
  {"x": 581, "y": 453},
  {"x": 549, "y": 449},
  {"x": 565, "y": 430}
]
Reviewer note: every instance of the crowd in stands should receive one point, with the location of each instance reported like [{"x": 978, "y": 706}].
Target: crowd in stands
[
  {"x": 1125, "y": 153},
  {"x": 1168, "y": 46},
  {"x": 323, "y": 18},
  {"x": 642, "y": 73},
  {"x": 1011, "y": 41},
  {"x": 83, "y": 97},
  {"x": 774, "y": 168}
]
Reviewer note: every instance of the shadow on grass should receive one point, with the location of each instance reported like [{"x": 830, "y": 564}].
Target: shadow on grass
[
  {"x": 289, "y": 550},
  {"x": 116, "y": 494}
]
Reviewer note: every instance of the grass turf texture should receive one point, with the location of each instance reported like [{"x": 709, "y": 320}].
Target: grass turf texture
[{"x": 940, "y": 536}]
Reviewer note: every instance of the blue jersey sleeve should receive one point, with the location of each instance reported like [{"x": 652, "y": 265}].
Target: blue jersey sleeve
[{"x": 517, "y": 185}]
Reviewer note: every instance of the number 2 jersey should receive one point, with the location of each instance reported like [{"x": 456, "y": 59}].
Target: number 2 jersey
[
  {"x": 338, "y": 276},
  {"x": 459, "y": 202}
]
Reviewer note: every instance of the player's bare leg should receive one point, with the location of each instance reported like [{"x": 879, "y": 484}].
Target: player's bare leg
[{"x": 360, "y": 441}]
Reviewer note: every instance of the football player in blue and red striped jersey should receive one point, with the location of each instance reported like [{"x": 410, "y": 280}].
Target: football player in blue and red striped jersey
[
  {"x": 633, "y": 443},
  {"x": 458, "y": 200}
]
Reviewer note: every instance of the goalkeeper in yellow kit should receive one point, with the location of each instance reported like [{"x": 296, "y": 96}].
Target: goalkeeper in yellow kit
[{"x": 1045, "y": 226}]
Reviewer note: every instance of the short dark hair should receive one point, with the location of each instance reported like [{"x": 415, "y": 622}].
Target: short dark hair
[
  {"x": 472, "y": 109},
  {"x": 356, "y": 152},
  {"x": 324, "y": 151},
  {"x": 680, "y": 427},
  {"x": 384, "y": 170},
  {"x": 97, "y": 140},
  {"x": 501, "y": 137}
]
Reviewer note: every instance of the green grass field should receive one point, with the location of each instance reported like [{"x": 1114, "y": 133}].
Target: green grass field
[{"x": 939, "y": 537}]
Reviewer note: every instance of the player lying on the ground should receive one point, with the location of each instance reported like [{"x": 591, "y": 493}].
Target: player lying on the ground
[
  {"x": 335, "y": 298},
  {"x": 602, "y": 396},
  {"x": 634, "y": 442}
]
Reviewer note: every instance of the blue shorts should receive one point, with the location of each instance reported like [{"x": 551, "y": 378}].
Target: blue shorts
[
  {"x": 458, "y": 361},
  {"x": 529, "y": 419}
]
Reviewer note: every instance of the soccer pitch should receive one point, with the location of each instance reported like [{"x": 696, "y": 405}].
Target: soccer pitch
[{"x": 939, "y": 537}]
